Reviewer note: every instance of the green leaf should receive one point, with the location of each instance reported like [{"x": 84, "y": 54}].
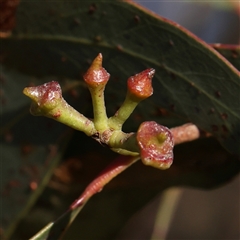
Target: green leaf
[
  {"x": 191, "y": 80},
  {"x": 58, "y": 40},
  {"x": 230, "y": 52},
  {"x": 29, "y": 153}
]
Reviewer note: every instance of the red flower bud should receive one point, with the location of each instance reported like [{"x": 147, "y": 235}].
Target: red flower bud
[
  {"x": 96, "y": 75},
  {"x": 45, "y": 96},
  {"x": 156, "y": 145},
  {"x": 140, "y": 85}
]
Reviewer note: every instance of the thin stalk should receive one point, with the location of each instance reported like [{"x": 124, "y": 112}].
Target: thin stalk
[
  {"x": 123, "y": 112},
  {"x": 124, "y": 143},
  {"x": 67, "y": 115},
  {"x": 99, "y": 109},
  {"x": 47, "y": 101}
]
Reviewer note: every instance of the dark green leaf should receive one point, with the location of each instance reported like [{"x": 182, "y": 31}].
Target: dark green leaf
[
  {"x": 191, "y": 79},
  {"x": 59, "y": 40},
  {"x": 230, "y": 52},
  {"x": 29, "y": 153}
]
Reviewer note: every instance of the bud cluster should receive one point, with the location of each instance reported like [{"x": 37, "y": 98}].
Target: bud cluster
[{"x": 152, "y": 142}]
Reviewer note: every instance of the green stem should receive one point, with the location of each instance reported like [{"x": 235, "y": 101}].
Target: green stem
[
  {"x": 67, "y": 115},
  {"x": 48, "y": 101},
  {"x": 124, "y": 143},
  {"x": 123, "y": 113},
  {"x": 99, "y": 110}
]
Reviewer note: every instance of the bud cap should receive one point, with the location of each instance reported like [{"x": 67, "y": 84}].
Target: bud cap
[
  {"x": 156, "y": 145},
  {"x": 140, "y": 85},
  {"x": 96, "y": 75},
  {"x": 46, "y": 95}
]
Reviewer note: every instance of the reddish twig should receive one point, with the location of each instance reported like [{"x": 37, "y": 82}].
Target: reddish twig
[
  {"x": 185, "y": 133},
  {"x": 116, "y": 167}
]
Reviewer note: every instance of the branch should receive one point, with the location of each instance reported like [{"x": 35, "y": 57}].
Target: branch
[{"x": 185, "y": 133}]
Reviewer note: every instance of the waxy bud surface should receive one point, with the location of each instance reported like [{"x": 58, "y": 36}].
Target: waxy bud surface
[
  {"x": 45, "y": 96},
  {"x": 96, "y": 75},
  {"x": 140, "y": 85},
  {"x": 156, "y": 145}
]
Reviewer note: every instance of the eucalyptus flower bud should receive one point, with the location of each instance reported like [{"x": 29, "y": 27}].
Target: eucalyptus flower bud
[
  {"x": 156, "y": 145},
  {"x": 96, "y": 75},
  {"x": 140, "y": 85}
]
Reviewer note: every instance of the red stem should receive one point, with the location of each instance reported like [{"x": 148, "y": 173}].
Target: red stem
[
  {"x": 185, "y": 133},
  {"x": 116, "y": 167}
]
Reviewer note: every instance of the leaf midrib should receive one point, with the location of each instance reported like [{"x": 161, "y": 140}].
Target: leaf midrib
[{"x": 124, "y": 50}]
